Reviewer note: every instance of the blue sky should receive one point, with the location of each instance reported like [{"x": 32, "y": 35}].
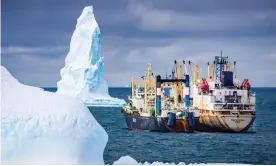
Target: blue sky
[{"x": 36, "y": 36}]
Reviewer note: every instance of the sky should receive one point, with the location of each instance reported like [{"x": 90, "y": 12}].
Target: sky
[{"x": 36, "y": 34}]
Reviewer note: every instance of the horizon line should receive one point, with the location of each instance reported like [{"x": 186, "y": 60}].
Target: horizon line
[{"x": 130, "y": 87}]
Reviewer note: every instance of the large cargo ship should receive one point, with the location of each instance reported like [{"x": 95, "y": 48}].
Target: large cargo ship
[
  {"x": 150, "y": 109},
  {"x": 218, "y": 103},
  {"x": 225, "y": 105}
]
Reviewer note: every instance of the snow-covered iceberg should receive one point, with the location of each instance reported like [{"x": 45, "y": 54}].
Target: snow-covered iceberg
[
  {"x": 39, "y": 127},
  {"x": 83, "y": 73}
]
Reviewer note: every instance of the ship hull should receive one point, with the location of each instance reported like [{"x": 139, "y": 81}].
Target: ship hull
[
  {"x": 223, "y": 123},
  {"x": 159, "y": 124}
]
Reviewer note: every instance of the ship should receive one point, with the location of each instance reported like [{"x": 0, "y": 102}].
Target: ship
[
  {"x": 217, "y": 103},
  {"x": 224, "y": 104},
  {"x": 151, "y": 109}
]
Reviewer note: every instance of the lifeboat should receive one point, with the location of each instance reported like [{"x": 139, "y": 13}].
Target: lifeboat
[
  {"x": 204, "y": 85},
  {"x": 245, "y": 84}
]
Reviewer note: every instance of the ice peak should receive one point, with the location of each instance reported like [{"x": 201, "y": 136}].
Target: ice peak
[
  {"x": 83, "y": 73},
  {"x": 88, "y": 9},
  {"x": 86, "y": 15}
]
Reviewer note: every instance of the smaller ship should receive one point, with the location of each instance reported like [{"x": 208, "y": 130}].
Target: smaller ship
[
  {"x": 224, "y": 104},
  {"x": 151, "y": 109}
]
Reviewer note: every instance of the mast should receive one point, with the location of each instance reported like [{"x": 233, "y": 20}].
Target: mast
[
  {"x": 196, "y": 72},
  {"x": 220, "y": 63},
  {"x": 185, "y": 68},
  {"x": 132, "y": 87},
  {"x": 149, "y": 73},
  {"x": 179, "y": 85},
  {"x": 147, "y": 83},
  {"x": 173, "y": 73},
  {"x": 146, "y": 95},
  {"x": 175, "y": 66},
  {"x": 210, "y": 72},
  {"x": 235, "y": 74}
]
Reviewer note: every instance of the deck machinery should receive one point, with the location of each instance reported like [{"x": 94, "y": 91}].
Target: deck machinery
[{"x": 151, "y": 109}]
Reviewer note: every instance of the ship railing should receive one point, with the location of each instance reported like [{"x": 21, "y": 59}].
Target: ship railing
[
  {"x": 171, "y": 106},
  {"x": 166, "y": 111},
  {"x": 233, "y": 106}
]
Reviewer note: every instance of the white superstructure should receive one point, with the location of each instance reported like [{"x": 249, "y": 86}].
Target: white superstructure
[{"x": 223, "y": 104}]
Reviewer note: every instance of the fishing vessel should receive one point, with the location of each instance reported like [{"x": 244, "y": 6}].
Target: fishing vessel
[
  {"x": 225, "y": 105},
  {"x": 218, "y": 103},
  {"x": 151, "y": 109}
]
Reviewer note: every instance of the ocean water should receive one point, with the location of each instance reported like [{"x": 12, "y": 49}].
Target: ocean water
[{"x": 246, "y": 148}]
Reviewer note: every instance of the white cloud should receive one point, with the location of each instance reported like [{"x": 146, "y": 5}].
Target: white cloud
[
  {"x": 14, "y": 50},
  {"x": 35, "y": 70},
  {"x": 252, "y": 56},
  {"x": 30, "y": 50},
  {"x": 273, "y": 55}
]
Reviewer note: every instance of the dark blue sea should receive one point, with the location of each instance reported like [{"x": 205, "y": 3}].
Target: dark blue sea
[{"x": 245, "y": 148}]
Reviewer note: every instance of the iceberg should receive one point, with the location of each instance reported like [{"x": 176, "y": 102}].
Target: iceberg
[
  {"x": 39, "y": 127},
  {"x": 83, "y": 73}
]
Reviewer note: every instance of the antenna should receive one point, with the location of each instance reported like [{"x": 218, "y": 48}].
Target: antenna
[
  {"x": 173, "y": 74},
  {"x": 166, "y": 73},
  {"x": 219, "y": 65},
  {"x": 235, "y": 74},
  {"x": 190, "y": 68},
  {"x": 185, "y": 68}
]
